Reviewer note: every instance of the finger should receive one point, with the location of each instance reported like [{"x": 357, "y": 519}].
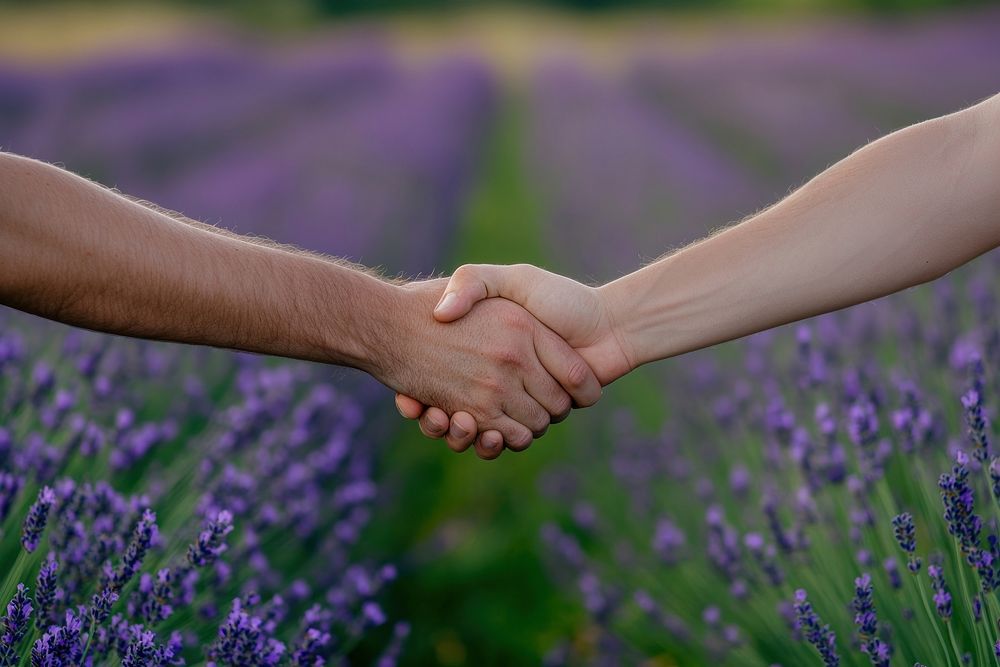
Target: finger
[
  {"x": 434, "y": 423},
  {"x": 489, "y": 445},
  {"x": 410, "y": 408},
  {"x": 517, "y": 436},
  {"x": 462, "y": 431},
  {"x": 468, "y": 285},
  {"x": 567, "y": 367},
  {"x": 547, "y": 392},
  {"x": 507, "y": 431},
  {"x": 474, "y": 282},
  {"x": 527, "y": 413}
]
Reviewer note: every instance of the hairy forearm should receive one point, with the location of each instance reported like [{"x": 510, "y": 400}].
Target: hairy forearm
[
  {"x": 79, "y": 253},
  {"x": 899, "y": 212}
]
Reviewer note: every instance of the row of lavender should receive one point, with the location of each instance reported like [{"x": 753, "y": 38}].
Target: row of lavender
[
  {"x": 828, "y": 496},
  {"x": 161, "y": 504}
]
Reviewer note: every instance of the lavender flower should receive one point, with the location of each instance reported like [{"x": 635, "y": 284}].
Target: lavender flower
[
  {"x": 942, "y": 597},
  {"x": 153, "y": 599},
  {"x": 15, "y": 625},
  {"x": 60, "y": 645},
  {"x": 814, "y": 632},
  {"x": 972, "y": 401},
  {"x": 100, "y": 606},
  {"x": 958, "y": 498},
  {"x": 45, "y": 591},
  {"x": 143, "y": 651},
  {"x": 878, "y": 652},
  {"x": 142, "y": 537},
  {"x": 38, "y": 516},
  {"x": 668, "y": 541},
  {"x": 211, "y": 540},
  {"x": 892, "y": 570},
  {"x": 905, "y": 533},
  {"x": 310, "y": 648},
  {"x": 10, "y": 485},
  {"x": 244, "y": 641},
  {"x": 994, "y": 471}
]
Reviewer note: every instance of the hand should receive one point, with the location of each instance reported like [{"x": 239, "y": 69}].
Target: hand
[
  {"x": 507, "y": 371},
  {"x": 575, "y": 311}
]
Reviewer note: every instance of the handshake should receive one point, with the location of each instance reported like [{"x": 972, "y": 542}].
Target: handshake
[
  {"x": 497, "y": 371},
  {"x": 510, "y": 366}
]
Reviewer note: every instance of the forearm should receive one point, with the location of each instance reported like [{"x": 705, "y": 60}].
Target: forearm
[
  {"x": 902, "y": 211},
  {"x": 75, "y": 252}
]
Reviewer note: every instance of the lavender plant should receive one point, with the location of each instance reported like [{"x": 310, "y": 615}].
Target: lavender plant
[
  {"x": 161, "y": 505},
  {"x": 797, "y": 472}
]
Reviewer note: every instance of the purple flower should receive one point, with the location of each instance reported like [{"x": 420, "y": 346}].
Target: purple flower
[
  {"x": 38, "y": 516},
  {"x": 15, "y": 624},
  {"x": 100, "y": 605},
  {"x": 153, "y": 598},
  {"x": 60, "y": 645},
  {"x": 143, "y": 651},
  {"x": 243, "y": 640},
  {"x": 211, "y": 540},
  {"x": 877, "y": 651},
  {"x": 43, "y": 379},
  {"x": 942, "y": 598},
  {"x": 10, "y": 485},
  {"x": 372, "y": 613},
  {"x": 45, "y": 591},
  {"x": 892, "y": 570},
  {"x": 812, "y": 628},
  {"x": 668, "y": 541},
  {"x": 142, "y": 537},
  {"x": 310, "y": 648},
  {"x": 958, "y": 498},
  {"x": 972, "y": 402},
  {"x": 906, "y": 537}
]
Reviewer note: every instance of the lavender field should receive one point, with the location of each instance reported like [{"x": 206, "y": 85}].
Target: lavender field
[{"x": 821, "y": 495}]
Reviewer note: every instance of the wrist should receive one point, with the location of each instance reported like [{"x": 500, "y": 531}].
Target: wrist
[
  {"x": 383, "y": 332},
  {"x": 611, "y": 299},
  {"x": 395, "y": 319},
  {"x": 360, "y": 336}
]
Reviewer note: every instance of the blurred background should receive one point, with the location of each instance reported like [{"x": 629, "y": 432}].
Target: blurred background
[{"x": 587, "y": 136}]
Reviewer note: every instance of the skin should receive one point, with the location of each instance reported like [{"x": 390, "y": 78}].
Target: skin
[
  {"x": 78, "y": 253},
  {"x": 900, "y": 212}
]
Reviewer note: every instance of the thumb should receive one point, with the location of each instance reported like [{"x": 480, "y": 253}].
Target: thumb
[{"x": 470, "y": 284}]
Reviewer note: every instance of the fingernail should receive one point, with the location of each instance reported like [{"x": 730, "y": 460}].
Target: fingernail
[
  {"x": 446, "y": 301},
  {"x": 458, "y": 432}
]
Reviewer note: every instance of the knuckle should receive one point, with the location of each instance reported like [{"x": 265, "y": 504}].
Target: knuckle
[
  {"x": 492, "y": 389},
  {"x": 464, "y": 272},
  {"x": 577, "y": 374},
  {"x": 563, "y": 404},
  {"x": 515, "y": 319},
  {"x": 519, "y": 441},
  {"x": 520, "y": 447},
  {"x": 508, "y": 357},
  {"x": 539, "y": 424}
]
